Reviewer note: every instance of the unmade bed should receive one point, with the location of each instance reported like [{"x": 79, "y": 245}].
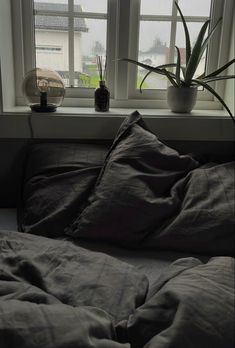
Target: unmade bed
[
  {"x": 150, "y": 263},
  {"x": 128, "y": 246}
]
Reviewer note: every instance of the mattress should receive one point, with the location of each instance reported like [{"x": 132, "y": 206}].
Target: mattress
[{"x": 149, "y": 262}]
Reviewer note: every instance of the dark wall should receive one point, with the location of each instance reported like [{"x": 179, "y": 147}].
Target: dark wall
[
  {"x": 13, "y": 155},
  {"x": 12, "y": 158}
]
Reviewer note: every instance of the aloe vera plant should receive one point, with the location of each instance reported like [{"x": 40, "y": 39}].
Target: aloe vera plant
[{"x": 184, "y": 75}]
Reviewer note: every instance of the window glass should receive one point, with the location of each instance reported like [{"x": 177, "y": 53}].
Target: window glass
[
  {"x": 54, "y": 50},
  {"x": 156, "y": 7},
  {"x": 195, "y": 7},
  {"x": 52, "y": 45},
  {"x": 87, "y": 45},
  {"x": 99, "y": 6},
  {"x": 51, "y": 5},
  {"x": 153, "y": 50},
  {"x": 51, "y": 40}
]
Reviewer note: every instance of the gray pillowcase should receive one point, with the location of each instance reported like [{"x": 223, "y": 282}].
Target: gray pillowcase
[
  {"x": 206, "y": 220},
  {"x": 58, "y": 179},
  {"x": 135, "y": 191}
]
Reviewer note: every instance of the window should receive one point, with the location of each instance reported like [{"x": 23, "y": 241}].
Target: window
[
  {"x": 47, "y": 49},
  {"x": 165, "y": 31},
  {"x": 81, "y": 28},
  {"x": 66, "y": 35}
]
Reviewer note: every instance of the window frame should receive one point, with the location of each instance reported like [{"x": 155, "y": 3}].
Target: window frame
[
  {"x": 123, "y": 20},
  {"x": 24, "y": 43},
  {"x": 71, "y": 15},
  {"x": 213, "y": 59}
]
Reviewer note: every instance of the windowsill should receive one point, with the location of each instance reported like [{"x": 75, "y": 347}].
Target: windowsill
[
  {"x": 86, "y": 123},
  {"x": 89, "y": 111}
]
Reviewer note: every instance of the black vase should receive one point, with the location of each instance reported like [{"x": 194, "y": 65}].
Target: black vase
[{"x": 102, "y": 97}]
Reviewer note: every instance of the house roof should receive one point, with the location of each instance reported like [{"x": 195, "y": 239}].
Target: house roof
[{"x": 56, "y": 22}]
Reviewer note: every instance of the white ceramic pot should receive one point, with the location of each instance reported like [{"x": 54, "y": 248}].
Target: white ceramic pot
[{"x": 182, "y": 99}]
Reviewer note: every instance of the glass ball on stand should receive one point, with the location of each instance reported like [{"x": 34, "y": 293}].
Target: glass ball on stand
[{"x": 44, "y": 90}]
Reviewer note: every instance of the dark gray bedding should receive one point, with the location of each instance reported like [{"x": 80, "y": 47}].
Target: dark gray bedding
[
  {"x": 55, "y": 271},
  {"x": 58, "y": 295},
  {"x": 137, "y": 203},
  {"x": 142, "y": 192},
  {"x": 149, "y": 262},
  {"x": 205, "y": 220},
  {"x": 192, "y": 305},
  {"x": 152, "y": 263},
  {"x": 58, "y": 179},
  {"x": 147, "y": 194}
]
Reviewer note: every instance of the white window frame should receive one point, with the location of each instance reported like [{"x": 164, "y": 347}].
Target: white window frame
[
  {"x": 216, "y": 54},
  {"x": 71, "y": 15},
  {"x": 123, "y": 20},
  {"x": 24, "y": 44}
]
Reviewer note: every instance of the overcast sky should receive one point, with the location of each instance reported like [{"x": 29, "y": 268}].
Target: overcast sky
[{"x": 148, "y": 30}]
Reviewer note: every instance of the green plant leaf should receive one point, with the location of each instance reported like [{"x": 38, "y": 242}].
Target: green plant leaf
[
  {"x": 156, "y": 69},
  {"x": 150, "y": 72},
  {"x": 210, "y": 89},
  {"x": 222, "y": 68},
  {"x": 186, "y": 32},
  {"x": 145, "y": 77},
  {"x": 170, "y": 65},
  {"x": 205, "y": 43},
  {"x": 142, "y": 65},
  {"x": 194, "y": 59},
  {"x": 178, "y": 66},
  {"x": 218, "y": 78},
  {"x": 183, "y": 70},
  {"x": 170, "y": 77},
  {"x": 164, "y": 72}
]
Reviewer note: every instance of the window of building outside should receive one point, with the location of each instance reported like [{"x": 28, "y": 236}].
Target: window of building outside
[
  {"x": 47, "y": 49},
  {"x": 69, "y": 34}
]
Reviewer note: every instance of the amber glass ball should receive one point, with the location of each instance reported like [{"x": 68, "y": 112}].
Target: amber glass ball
[{"x": 43, "y": 89}]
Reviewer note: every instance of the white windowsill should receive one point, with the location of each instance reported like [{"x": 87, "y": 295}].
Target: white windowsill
[
  {"x": 89, "y": 111},
  {"x": 86, "y": 123}
]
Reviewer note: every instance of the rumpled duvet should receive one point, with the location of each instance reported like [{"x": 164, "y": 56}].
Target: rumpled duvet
[{"x": 54, "y": 294}]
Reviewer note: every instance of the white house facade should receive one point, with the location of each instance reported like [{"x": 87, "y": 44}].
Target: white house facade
[{"x": 51, "y": 40}]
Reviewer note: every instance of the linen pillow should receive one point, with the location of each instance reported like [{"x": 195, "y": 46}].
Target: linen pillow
[
  {"x": 206, "y": 220},
  {"x": 58, "y": 179},
  {"x": 133, "y": 193}
]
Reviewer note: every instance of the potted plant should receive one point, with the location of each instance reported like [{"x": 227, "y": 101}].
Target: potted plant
[{"x": 182, "y": 93}]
